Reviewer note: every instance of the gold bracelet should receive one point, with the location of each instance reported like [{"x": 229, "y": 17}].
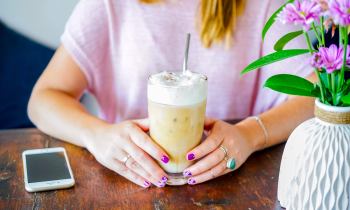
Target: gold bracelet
[{"x": 263, "y": 127}]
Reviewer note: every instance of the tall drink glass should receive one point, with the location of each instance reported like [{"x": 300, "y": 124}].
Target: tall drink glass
[{"x": 176, "y": 110}]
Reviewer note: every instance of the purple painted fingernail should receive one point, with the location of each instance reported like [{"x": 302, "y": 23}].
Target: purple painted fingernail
[
  {"x": 187, "y": 174},
  {"x": 191, "y": 181},
  {"x": 190, "y": 156},
  {"x": 162, "y": 184},
  {"x": 146, "y": 183},
  {"x": 164, "y": 179},
  {"x": 165, "y": 159}
]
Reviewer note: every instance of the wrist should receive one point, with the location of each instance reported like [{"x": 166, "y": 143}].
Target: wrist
[
  {"x": 92, "y": 132},
  {"x": 253, "y": 132}
]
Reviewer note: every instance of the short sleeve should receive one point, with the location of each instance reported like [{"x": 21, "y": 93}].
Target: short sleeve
[
  {"x": 267, "y": 98},
  {"x": 86, "y": 37}
]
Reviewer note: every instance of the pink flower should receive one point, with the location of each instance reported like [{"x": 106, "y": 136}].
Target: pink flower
[
  {"x": 317, "y": 60},
  {"x": 323, "y": 4},
  {"x": 303, "y": 13},
  {"x": 330, "y": 58},
  {"x": 339, "y": 10}
]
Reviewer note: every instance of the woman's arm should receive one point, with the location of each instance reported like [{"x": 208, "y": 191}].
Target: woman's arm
[
  {"x": 280, "y": 121},
  {"x": 246, "y": 137},
  {"x": 54, "y": 108}
]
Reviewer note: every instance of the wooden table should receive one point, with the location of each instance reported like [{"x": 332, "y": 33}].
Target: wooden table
[{"x": 252, "y": 186}]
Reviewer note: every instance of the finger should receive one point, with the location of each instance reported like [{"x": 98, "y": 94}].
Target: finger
[
  {"x": 138, "y": 169},
  {"x": 218, "y": 170},
  {"x": 124, "y": 171},
  {"x": 143, "y": 124},
  {"x": 210, "y": 144},
  {"x": 142, "y": 140},
  {"x": 206, "y": 163},
  {"x": 141, "y": 157},
  {"x": 208, "y": 123}
]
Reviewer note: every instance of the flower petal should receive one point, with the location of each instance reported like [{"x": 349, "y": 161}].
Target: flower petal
[
  {"x": 332, "y": 53},
  {"x": 327, "y": 24},
  {"x": 333, "y": 29}
]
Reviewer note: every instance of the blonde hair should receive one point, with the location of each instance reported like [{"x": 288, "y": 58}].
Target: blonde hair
[{"x": 217, "y": 19}]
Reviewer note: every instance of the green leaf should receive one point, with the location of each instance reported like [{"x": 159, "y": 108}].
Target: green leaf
[
  {"x": 291, "y": 84},
  {"x": 324, "y": 77},
  {"x": 316, "y": 92},
  {"x": 272, "y": 58},
  {"x": 337, "y": 98},
  {"x": 271, "y": 20},
  {"x": 285, "y": 39},
  {"x": 346, "y": 88},
  {"x": 345, "y": 99},
  {"x": 327, "y": 93}
]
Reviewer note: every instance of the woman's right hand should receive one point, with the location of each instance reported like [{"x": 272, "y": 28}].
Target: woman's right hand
[
  {"x": 55, "y": 109},
  {"x": 113, "y": 142}
]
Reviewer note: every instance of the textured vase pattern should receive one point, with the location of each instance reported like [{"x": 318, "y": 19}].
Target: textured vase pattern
[{"x": 315, "y": 167}]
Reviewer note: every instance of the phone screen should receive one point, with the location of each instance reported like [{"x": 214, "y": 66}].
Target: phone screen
[{"x": 46, "y": 167}]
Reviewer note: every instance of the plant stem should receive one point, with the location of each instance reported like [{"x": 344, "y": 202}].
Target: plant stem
[
  {"x": 333, "y": 83},
  {"x": 316, "y": 70},
  {"x": 318, "y": 36},
  {"x": 329, "y": 81},
  {"x": 345, "y": 46},
  {"x": 340, "y": 35},
  {"x": 322, "y": 32},
  {"x": 333, "y": 87},
  {"x": 340, "y": 29},
  {"x": 320, "y": 84},
  {"x": 308, "y": 42},
  {"x": 319, "y": 28}
]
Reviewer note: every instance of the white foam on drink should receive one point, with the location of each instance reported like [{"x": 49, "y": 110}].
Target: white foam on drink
[{"x": 176, "y": 88}]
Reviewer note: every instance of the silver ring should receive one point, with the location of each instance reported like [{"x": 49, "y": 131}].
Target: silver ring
[
  {"x": 212, "y": 173},
  {"x": 126, "y": 159},
  {"x": 231, "y": 163},
  {"x": 223, "y": 149},
  {"x": 225, "y": 158}
]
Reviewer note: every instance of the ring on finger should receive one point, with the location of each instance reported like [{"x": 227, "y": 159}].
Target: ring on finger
[
  {"x": 223, "y": 149},
  {"x": 126, "y": 158},
  {"x": 231, "y": 163},
  {"x": 134, "y": 166},
  {"x": 212, "y": 173}
]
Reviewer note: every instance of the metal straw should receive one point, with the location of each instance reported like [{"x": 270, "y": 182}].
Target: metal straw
[{"x": 186, "y": 53}]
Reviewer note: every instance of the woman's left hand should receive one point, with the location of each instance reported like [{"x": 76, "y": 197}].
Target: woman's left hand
[{"x": 234, "y": 138}]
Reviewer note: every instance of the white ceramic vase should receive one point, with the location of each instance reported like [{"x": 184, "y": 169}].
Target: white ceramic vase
[{"x": 315, "y": 167}]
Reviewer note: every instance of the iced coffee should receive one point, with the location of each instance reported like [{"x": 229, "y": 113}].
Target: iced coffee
[{"x": 176, "y": 110}]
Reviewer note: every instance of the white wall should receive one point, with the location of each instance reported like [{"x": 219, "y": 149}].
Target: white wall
[{"x": 40, "y": 20}]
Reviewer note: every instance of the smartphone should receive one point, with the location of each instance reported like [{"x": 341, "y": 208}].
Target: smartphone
[{"x": 47, "y": 169}]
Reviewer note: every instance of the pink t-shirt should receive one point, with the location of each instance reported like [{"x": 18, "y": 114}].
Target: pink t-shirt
[{"x": 119, "y": 43}]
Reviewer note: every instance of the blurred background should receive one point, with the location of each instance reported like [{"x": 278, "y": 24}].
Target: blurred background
[{"x": 29, "y": 34}]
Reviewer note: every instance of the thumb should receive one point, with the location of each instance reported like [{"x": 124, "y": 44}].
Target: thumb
[
  {"x": 208, "y": 123},
  {"x": 143, "y": 124}
]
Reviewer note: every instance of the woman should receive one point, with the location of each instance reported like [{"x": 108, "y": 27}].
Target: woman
[{"x": 110, "y": 47}]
